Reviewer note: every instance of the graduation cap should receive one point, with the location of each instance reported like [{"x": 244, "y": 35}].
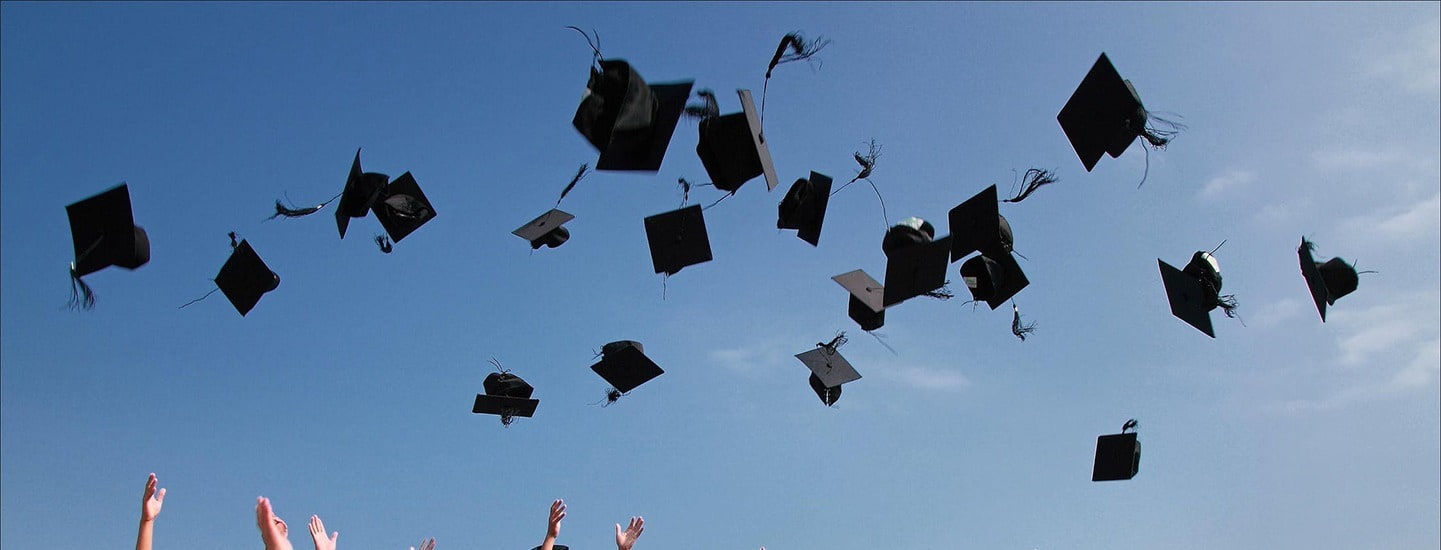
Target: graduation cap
[
  {"x": 804, "y": 207},
  {"x": 245, "y": 278},
  {"x": 828, "y": 394},
  {"x": 867, "y": 299},
  {"x": 733, "y": 149},
  {"x": 909, "y": 231},
  {"x": 402, "y": 207},
  {"x": 677, "y": 239},
  {"x": 993, "y": 280},
  {"x": 1118, "y": 456},
  {"x": 827, "y": 363},
  {"x": 104, "y": 234},
  {"x": 977, "y": 225},
  {"x": 1328, "y": 281},
  {"x": 1196, "y": 290},
  {"x": 1105, "y": 115},
  {"x": 506, "y": 395},
  {"x": 624, "y": 365},
  {"x": 627, "y": 120},
  {"x": 915, "y": 264},
  {"x": 546, "y": 230},
  {"x": 361, "y": 191}
]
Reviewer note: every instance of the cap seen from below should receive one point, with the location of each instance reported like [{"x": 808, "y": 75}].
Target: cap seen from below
[
  {"x": 804, "y": 207},
  {"x": 1118, "y": 456},
  {"x": 828, "y": 395},
  {"x": 1327, "y": 281},
  {"x": 625, "y": 367},
  {"x": 915, "y": 270},
  {"x": 361, "y": 191},
  {"x": 507, "y": 396},
  {"x": 104, "y": 232},
  {"x": 677, "y": 239},
  {"x": 993, "y": 280},
  {"x": 1103, "y": 116},
  {"x": 245, "y": 278},
  {"x": 1190, "y": 300},
  {"x": 627, "y": 120},
  {"x": 977, "y": 225},
  {"x": 733, "y": 149},
  {"x": 546, "y": 230}
]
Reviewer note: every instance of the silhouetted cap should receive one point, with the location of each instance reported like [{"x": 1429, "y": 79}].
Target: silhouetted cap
[
  {"x": 1328, "y": 281},
  {"x": 804, "y": 207},
  {"x": 829, "y": 365},
  {"x": 828, "y": 395},
  {"x": 677, "y": 239},
  {"x": 1104, "y": 115},
  {"x": 402, "y": 207},
  {"x": 105, "y": 234},
  {"x": 624, "y": 365},
  {"x": 1118, "y": 457},
  {"x": 506, "y": 395},
  {"x": 993, "y": 280},
  {"x": 546, "y": 230},
  {"x": 628, "y": 121},
  {"x": 507, "y": 384},
  {"x": 867, "y": 303},
  {"x": 1190, "y": 296},
  {"x": 245, "y": 277},
  {"x": 977, "y": 225},
  {"x": 907, "y": 232},
  {"x": 915, "y": 270},
  {"x": 361, "y": 190},
  {"x": 867, "y": 318},
  {"x": 733, "y": 150}
]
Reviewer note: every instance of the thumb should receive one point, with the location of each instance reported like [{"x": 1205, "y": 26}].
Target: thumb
[
  {"x": 618, "y": 531},
  {"x": 334, "y": 536},
  {"x": 160, "y": 496}
]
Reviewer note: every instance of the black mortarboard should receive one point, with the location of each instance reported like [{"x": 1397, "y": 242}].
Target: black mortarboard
[
  {"x": 1118, "y": 456},
  {"x": 993, "y": 279},
  {"x": 546, "y": 230},
  {"x": 506, "y": 395},
  {"x": 733, "y": 149},
  {"x": 915, "y": 270},
  {"x": 907, "y": 232},
  {"x": 402, "y": 207},
  {"x": 245, "y": 277},
  {"x": 828, "y": 395},
  {"x": 1329, "y": 280},
  {"x": 677, "y": 239},
  {"x": 1191, "y": 300},
  {"x": 624, "y": 365},
  {"x": 1104, "y": 115},
  {"x": 804, "y": 207},
  {"x": 628, "y": 121},
  {"x": 829, "y": 365},
  {"x": 361, "y": 190},
  {"x": 867, "y": 303},
  {"x": 977, "y": 225},
  {"x": 105, "y": 234}
]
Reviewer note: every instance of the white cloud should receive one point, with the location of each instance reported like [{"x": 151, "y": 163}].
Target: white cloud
[
  {"x": 1408, "y": 223},
  {"x": 924, "y": 378},
  {"x": 761, "y": 356},
  {"x": 1274, "y": 313},
  {"x": 1223, "y": 183},
  {"x": 1415, "y": 64}
]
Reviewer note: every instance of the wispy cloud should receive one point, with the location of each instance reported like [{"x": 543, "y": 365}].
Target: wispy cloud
[
  {"x": 1218, "y": 186},
  {"x": 1274, "y": 313},
  {"x": 1406, "y": 223},
  {"x": 1414, "y": 64},
  {"x": 761, "y": 356},
  {"x": 923, "y": 378}
]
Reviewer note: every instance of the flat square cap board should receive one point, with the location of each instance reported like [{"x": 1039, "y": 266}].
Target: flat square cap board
[
  {"x": 628, "y": 121},
  {"x": 733, "y": 149},
  {"x": 1186, "y": 295},
  {"x": 542, "y": 225},
  {"x": 975, "y": 225},
  {"x": 804, "y": 207},
  {"x": 1104, "y": 115},
  {"x": 361, "y": 190},
  {"x": 915, "y": 270},
  {"x": 626, "y": 368},
  {"x": 994, "y": 279},
  {"x": 1327, "y": 281},
  {"x": 1118, "y": 457},
  {"x": 104, "y": 232},
  {"x": 511, "y": 406},
  {"x": 245, "y": 277},
  {"x": 402, "y": 207},
  {"x": 830, "y": 366},
  {"x": 677, "y": 239},
  {"x": 863, "y": 288}
]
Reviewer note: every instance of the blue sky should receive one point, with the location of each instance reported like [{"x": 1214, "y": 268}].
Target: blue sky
[{"x": 346, "y": 392}]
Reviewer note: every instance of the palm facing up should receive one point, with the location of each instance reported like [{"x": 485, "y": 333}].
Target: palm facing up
[
  {"x": 626, "y": 539},
  {"x": 317, "y": 534}
]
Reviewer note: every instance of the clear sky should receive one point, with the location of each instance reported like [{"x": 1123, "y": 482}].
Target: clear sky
[{"x": 346, "y": 392}]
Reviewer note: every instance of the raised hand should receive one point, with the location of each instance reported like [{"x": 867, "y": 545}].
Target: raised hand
[
  {"x": 317, "y": 534},
  {"x": 150, "y": 505},
  {"x": 626, "y": 539},
  {"x": 426, "y": 544},
  {"x": 273, "y": 531},
  {"x": 557, "y": 513}
]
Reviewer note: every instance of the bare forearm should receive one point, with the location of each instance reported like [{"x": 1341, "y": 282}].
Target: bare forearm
[{"x": 147, "y": 532}]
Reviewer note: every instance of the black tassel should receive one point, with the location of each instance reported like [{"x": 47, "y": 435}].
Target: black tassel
[
  {"x": 835, "y": 343},
  {"x": 868, "y": 164},
  {"x": 800, "y": 49},
  {"x": 684, "y": 190},
  {"x": 384, "y": 243},
  {"x": 81, "y": 297},
  {"x": 1033, "y": 179},
  {"x": 1129, "y": 425},
  {"x": 1158, "y": 137},
  {"x": 290, "y": 212},
  {"x": 1017, "y": 328},
  {"x": 507, "y": 416},
  {"x": 708, "y": 108},
  {"x": 594, "y": 46},
  {"x": 1228, "y": 304},
  {"x": 579, "y": 174},
  {"x": 233, "y": 243}
]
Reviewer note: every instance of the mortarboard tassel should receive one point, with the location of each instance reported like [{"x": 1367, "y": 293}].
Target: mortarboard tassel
[
  {"x": 868, "y": 164},
  {"x": 594, "y": 46},
  {"x": 292, "y": 212},
  {"x": 81, "y": 297},
  {"x": 579, "y": 174},
  {"x": 1033, "y": 179},
  {"x": 800, "y": 49},
  {"x": 1017, "y": 328},
  {"x": 709, "y": 108},
  {"x": 943, "y": 293},
  {"x": 1157, "y": 137},
  {"x": 384, "y": 243}
]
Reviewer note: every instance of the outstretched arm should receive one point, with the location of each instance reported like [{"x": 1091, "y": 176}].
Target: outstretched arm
[
  {"x": 426, "y": 544},
  {"x": 317, "y": 534},
  {"x": 626, "y": 539},
  {"x": 149, "y": 509},
  {"x": 552, "y": 529},
  {"x": 273, "y": 531}
]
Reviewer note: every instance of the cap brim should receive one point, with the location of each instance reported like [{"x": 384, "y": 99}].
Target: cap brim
[
  {"x": 627, "y": 369},
  {"x": 768, "y": 167},
  {"x": 1185, "y": 294},
  {"x": 513, "y": 406},
  {"x": 543, "y": 224},
  {"x": 1314, "y": 282},
  {"x": 646, "y": 155},
  {"x": 864, "y": 288}
]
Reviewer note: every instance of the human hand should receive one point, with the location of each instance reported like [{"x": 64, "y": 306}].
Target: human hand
[
  {"x": 151, "y": 502},
  {"x": 317, "y": 534},
  {"x": 557, "y": 513},
  {"x": 426, "y": 544},
  {"x": 273, "y": 531},
  {"x": 626, "y": 539}
]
